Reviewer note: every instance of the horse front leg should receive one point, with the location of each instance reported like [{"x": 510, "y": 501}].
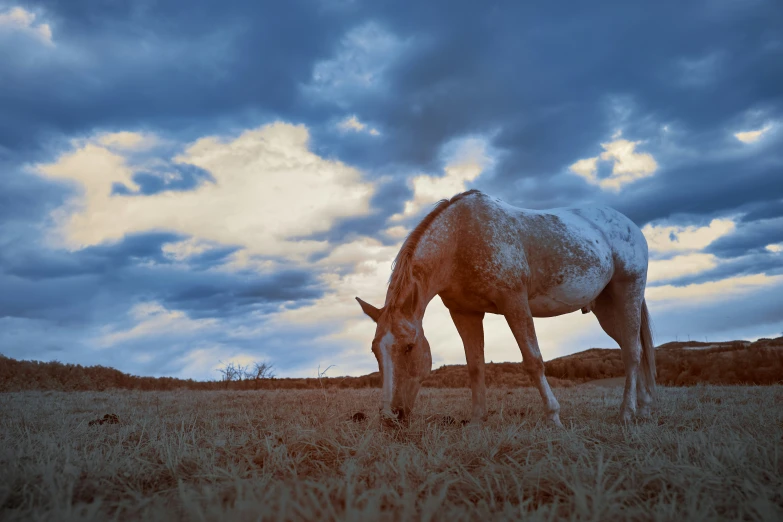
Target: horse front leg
[
  {"x": 519, "y": 318},
  {"x": 471, "y": 329}
]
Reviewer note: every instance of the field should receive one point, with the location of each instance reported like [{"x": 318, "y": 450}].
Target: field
[{"x": 709, "y": 453}]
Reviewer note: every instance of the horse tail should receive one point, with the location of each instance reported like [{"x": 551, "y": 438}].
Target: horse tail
[{"x": 648, "y": 351}]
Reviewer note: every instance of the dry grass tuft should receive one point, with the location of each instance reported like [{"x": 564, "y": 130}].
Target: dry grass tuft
[{"x": 709, "y": 453}]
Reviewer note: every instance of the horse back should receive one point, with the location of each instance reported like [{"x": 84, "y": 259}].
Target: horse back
[{"x": 562, "y": 258}]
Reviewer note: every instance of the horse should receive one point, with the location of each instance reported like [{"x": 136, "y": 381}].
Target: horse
[{"x": 482, "y": 255}]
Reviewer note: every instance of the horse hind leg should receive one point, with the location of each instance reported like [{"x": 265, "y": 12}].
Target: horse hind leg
[{"x": 618, "y": 310}]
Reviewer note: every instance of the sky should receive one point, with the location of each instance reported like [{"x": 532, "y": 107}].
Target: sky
[{"x": 184, "y": 185}]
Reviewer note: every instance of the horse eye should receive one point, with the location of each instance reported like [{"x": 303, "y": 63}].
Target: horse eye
[{"x": 409, "y": 348}]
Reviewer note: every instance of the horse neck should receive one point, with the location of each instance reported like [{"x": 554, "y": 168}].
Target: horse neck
[
  {"x": 425, "y": 284},
  {"x": 430, "y": 265},
  {"x": 432, "y": 269}
]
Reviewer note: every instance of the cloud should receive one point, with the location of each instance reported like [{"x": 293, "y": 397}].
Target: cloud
[
  {"x": 667, "y": 239},
  {"x": 754, "y": 135},
  {"x": 466, "y": 159},
  {"x": 744, "y": 307},
  {"x": 128, "y": 140},
  {"x": 699, "y": 72},
  {"x": 186, "y": 249},
  {"x": 679, "y": 266},
  {"x": 352, "y": 123},
  {"x": 153, "y": 319},
  {"x": 749, "y": 236},
  {"x": 627, "y": 165},
  {"x": 19, "y": 19},
  {"x": 58, "y": 284},
  {"x": 268, "y": 188},
  {"x": 775, "y": 248},
  {"x": 360, "y": 61},
  {"x": 163, "y": 176},
  {"x": 722, "y": 290}
]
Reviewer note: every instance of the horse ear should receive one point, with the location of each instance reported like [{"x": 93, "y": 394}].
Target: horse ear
[{"x": 370, "y": 310}]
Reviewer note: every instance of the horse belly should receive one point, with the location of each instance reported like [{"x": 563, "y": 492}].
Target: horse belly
[{"x": 572, "y": 293}]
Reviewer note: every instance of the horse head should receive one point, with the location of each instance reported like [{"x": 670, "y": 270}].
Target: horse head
[{"x": 403, "y": 355}]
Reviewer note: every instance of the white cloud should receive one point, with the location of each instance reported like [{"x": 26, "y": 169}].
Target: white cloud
[
  {"x": 358, "y": 66},
  {"x": 352, "y": 124},
  {"x": 628, "y": 165},
  {"x": 753, "y": 135},
  {"x": 153, "y": 319},
  {"x": 469, "y": 158},
  {"x": 182, "y": 250},
  {"x": 19, "y": 19},
  {"x": 775, "y": 248},
  {"x": 722, "y": 290},
  {"x": 359, "y": 253},
  {"x": 127, "y": 140},
  {"x": 268, "y": 189},
  {"x": 586, "y": 168},
  {"x": 679, "y": 266},
  {"x": 670, "y": 239},
  {"x": 396, "y": 232}
]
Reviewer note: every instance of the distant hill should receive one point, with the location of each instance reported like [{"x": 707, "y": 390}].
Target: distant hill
[{"x": 678, "y": 364}]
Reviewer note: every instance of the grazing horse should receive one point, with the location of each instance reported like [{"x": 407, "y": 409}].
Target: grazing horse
[{"x": 482, "y": 255}]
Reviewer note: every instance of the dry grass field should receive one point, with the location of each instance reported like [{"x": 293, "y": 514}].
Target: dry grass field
[{"x": 709, "y": 453}]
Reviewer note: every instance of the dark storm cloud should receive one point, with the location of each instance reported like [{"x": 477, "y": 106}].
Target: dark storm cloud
[
  {"x": 550, "y": 84},
  {"x": 708, "y": 188},
  {"x": 766, "y": 263},
  {"x": 749, "y": 237},
  {"x": 75, "y": 286},
  {"x": 213, "y": 257},
  {"x": 743, "y": 315},
  {"x": 225, "y": 295},
  {"x": 41, "y": 263},
  {"x": 24, "y": 197},
  {"x": 155, "y": 64},
  {"x": 764, "y": 210},
  {"x": 547, "y": 74},
  {"x": 549, "y": 81}
]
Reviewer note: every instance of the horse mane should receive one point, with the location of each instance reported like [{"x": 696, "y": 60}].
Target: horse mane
[{"x": 402, "y": 267}]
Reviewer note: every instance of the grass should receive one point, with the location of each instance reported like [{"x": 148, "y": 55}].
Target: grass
[{"x": 709, "y": 453}]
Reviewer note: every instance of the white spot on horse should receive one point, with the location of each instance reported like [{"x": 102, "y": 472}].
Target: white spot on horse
[{"x": 387, "y": 341}]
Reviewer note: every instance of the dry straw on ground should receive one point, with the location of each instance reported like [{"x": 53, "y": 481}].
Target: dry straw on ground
[{"x": 709, "y": 453}]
